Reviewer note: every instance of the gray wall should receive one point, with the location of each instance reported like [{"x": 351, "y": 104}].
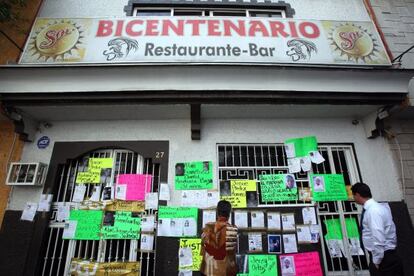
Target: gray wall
[
  {"x": 404, "y": 140},
  {"x": 396, "y": 19}
]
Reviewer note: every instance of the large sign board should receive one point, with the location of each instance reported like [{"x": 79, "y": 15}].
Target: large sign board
[{"x": 203, "y": 40}]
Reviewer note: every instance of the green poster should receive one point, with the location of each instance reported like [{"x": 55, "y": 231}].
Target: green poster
[
  {"x": 177, "y": 212},
  {"x": 328, "y": 187},
  {"x": 88, "y": 224},
  {"x": 351, "y": 228},
  {"x": 121, "y": 225},
  {"x": 264, "y": 265},
  {"x": 333, "y": 229},
  {"x": 278, "y": 187},
  {"x": 302, "y": 146},
  {"x": 194, "y": 175}
]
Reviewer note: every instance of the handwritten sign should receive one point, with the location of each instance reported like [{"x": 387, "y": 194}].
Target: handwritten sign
[
  {"x": 265, "y": 265},
  {"x": 238, "y": 192},
  {"x": 305, "y": 264},
  {"x": 275, "y": 187},
  {"x": 88, "y": 224},
  {"x": 121, "y": 205},
  {"x": 328, "y": 187},
  {"x": 194, "y": 175},
  {"x": 137, "y": 185},
  {"x": 121, "y": 225},
  {"x": 177, "y": 212},
  {"x": 95, "y": 167},
  {"x": 195, "y": 245},
  {"x": 302, "y": 146}
]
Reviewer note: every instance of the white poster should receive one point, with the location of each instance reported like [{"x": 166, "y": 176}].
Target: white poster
[
  {"x": 147, "y": 242},
  {"x": 289, "y": 243},
  {"x": 240, "y": 219},
  {"x": 29, "y": 211}
]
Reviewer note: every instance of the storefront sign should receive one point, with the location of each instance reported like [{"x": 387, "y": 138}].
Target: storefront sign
[
  {"x": 43, "y": 142},
  {"x": 203, "y": 40}
]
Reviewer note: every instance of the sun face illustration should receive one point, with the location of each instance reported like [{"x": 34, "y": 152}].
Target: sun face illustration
[
  {"x": 56, "y": 40},
  {"x": 354, "y": 42}
]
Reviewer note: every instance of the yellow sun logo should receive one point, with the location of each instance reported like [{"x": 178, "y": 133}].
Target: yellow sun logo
[
  {"x": 354, "y": 42},
  {"x": 56, "y": 40}
]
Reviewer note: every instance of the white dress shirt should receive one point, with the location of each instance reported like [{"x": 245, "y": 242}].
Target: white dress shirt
[{"x": 378, "y": 233}]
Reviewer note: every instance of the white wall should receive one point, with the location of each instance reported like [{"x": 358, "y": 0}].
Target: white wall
[
  {"x": 305, "y": 9},
  {"x": 374, "y": 156}
]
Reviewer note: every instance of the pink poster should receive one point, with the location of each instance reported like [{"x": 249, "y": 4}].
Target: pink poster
[
  {"x": 301, "y": 264},
  {"x": 134, "y": 186}
]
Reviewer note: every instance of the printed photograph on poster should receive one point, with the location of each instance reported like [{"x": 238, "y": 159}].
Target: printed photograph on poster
[
  {"x": 288, "y": 222},
  {"x": 287, "y": 265},
  {"x": 274, "y": 243},
  {"x": 176, "y": 227},
  {"x": 151, "y": 201},
  {"x": 164, "y": 191},
  {"x": 335, "y": 248},
  {"x": 107, "y": 193},
  {"x": 257, "y": 219},
  {"x": 240, "y": 219},
  {"x": 242, "y": 262},
  {"x": 314, "y": 229},
  {"x": 319, "y": 184},
  {"x": 44, "y": 202},
  {"x": 304, "y": 234},
  {"x": 273, "y": 221},
  {"x": 251, "y": 198},
  {"x": 305, "y": 164},
  {"x": 309, "y": 215},
  {"x": 185, "y": 273},
  {"x": 213, "y": 197},
  {"x": 121, "y": 191},
  {"x": 69, "y": 230},
  {"x": 62, "y": 211},
  {"x": 189, "y": 227},
  {"x": 208, "y": 216},
  {"x": 255, "y": 242},
  {"x": 109, "y": 218},
  {"x": 290, "y": 181},
  {"x": 289, "y": 243},
  {"x": 106, "y": 176},
  {"x": 225, "y": 188},
  {"x": 305, "y": 194},
  {"x": 355, "y": 247},
  {"x": 147, "y": 242},
  {"x": 179, "y": 169},
  {"x": 96, "y": 193},
  {"x": 290, "y": 150},
  {"x": 185, "y": 257},
  {"x": 294, "y": 165},
  {"x": 29, "y": 211},
  {"x": 164, "y": 226},
  {"x": 316, "y": 157},
  {"x": 147, "y": 223},
  {"x": 79, "y": 193}
]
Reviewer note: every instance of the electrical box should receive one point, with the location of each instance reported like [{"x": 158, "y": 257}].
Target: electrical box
[{"x": 26, "y": 174}]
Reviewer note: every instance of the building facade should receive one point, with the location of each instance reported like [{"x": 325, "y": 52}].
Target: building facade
[{"x": 153, "y": 84}]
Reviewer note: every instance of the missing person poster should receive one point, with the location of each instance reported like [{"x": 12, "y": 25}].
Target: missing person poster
[
  {"x": 278, "y": 187},
  {"x": 194, "y": 175},
  {"x": 328, "y": 187},
  {"x": 240, "y": 193}
]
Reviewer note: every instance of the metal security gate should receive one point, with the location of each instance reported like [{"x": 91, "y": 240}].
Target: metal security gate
[
  {"x": 59, "y": 252},
  {"x": 249, "y": 161}
]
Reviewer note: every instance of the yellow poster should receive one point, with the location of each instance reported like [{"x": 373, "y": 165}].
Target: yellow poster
[
  {"x": 195, "y": 245},
  {"x": 239, "y": 193}
]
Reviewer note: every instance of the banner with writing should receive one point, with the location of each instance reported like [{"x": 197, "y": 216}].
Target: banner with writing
[
  {"x": 80, "y": 267},
  {"x": 177, "y": 212},
  {"x": 194, "y": 175},
  {"x": 262, "y": 265},
  {"x": 88, "y": 225},
  {"x": 195, "y": 245},
  {"x": 278, "y": 187},
  {"x": 121, "y": 225},
  {"x": 328, "y": 187},
  {"x": 242, "y": 193}
]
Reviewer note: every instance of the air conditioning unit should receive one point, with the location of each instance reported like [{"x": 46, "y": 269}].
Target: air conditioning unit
[{"x": 26, "y": 174}]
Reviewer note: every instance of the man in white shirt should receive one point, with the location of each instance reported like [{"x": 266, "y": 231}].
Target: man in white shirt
[{"x": 378, "y": 233}]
